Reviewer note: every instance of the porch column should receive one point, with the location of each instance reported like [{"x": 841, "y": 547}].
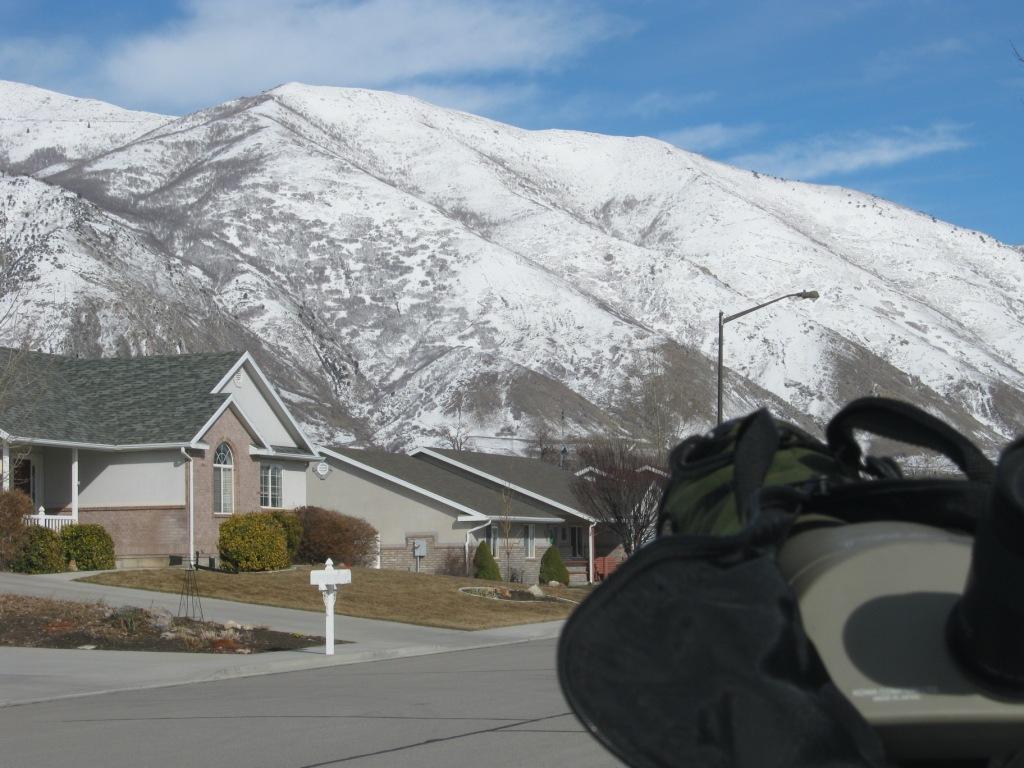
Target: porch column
[
  {"x": 74, "y": 484},
  {"x": 590, "y": 554},
  {"x": 7, "y": 466}
]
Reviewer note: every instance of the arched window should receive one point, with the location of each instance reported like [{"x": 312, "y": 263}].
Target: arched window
[
  {"x": 270, "y": 485},
  {"x": 223, "y": 480}
]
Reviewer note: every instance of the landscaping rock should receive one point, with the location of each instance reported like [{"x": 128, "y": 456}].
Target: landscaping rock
[{"x": 536, "y": 591}]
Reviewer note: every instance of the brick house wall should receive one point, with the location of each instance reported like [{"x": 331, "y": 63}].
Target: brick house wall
[
  {"x": 141, "y": 530},
  {"x": 436, "y": 560},
  {"x": 246, "y": 477}
]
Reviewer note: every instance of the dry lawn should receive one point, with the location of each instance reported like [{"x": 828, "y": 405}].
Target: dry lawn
[{"x": 412, "y": 598}]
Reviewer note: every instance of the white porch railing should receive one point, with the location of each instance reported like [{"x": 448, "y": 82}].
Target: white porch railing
[{"x": 53, "y": 522}]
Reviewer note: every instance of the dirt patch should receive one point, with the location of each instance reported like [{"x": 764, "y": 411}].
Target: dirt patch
[{"x": 35, "y": 622}]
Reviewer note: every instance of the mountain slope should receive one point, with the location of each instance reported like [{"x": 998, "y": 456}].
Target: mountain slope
[
  {"x": 41, "y": 131},
  {"x": 404, "y": 267}
]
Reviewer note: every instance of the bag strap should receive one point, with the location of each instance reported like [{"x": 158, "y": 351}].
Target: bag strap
[{"x": 906, "y": 423}]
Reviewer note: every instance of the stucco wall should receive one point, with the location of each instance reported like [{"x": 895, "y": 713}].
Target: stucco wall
[
  {"x": 258, "y": 410},
  {"x": 391, "y": 509},
  {"x": 293, "y": 483},
  {"x": 130, "y": 479}
]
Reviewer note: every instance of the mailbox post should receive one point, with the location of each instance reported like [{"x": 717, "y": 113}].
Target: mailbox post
[{"x": 327, "y": 581}]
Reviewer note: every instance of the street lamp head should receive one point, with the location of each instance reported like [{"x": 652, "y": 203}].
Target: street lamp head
[{"x": 812, "y": 295}]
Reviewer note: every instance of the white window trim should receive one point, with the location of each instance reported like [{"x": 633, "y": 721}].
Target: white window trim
[
  {"x": 495, "y": 541},
  {"x": 531, "y": 541},
  {"x": 228, "y": 469},
  {"x": 280, "y": 486}
]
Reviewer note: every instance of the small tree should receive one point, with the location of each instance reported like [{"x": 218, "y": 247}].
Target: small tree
[
  {"x": 484, "y": 566},
  {"x": 620, "y": 485}
]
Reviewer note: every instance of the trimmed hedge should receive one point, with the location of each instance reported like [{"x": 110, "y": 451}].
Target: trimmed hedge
[
  {"x": 14, "y": 505},
  {"x": 252, "y": 542},
  {"x": 552, "y": 568},
  {"x": 41, "y": 552},
  {"x": 326, "y": 534},
  {"x": 89, "y": 545},
  {"x": 484, "y": 565},
  {"x": 292, "y": 527}
]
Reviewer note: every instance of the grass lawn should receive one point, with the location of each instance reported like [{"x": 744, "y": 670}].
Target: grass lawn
[{"x": 412, "y": 598}]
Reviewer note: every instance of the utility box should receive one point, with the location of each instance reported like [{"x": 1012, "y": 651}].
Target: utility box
[{"x": 419, "y": 548}]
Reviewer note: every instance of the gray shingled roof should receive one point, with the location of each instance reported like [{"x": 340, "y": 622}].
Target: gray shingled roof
[
  {"x": 480, "y": 496},
  {"x": 116, "y": 401},
  {"x": 540, "y": 477}
]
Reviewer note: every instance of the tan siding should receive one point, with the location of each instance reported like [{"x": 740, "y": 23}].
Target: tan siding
[{"x": 389, "y": 508}]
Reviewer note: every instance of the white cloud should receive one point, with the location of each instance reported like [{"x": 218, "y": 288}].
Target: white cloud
[
  {"x": 828, "y": 155},
  {"x": 658, "y": 102},
  {"x": 703, "y": 138},
  {"x": 897, "y": 61},
  {"x": 228, "y": 48}
]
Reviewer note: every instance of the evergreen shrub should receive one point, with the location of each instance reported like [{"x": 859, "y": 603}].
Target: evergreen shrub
[
  {"x": 552, "y": 568},
  {"x": 41, "y": 551},
  {"x": 484, "y": 565},
  {"x": 89, "y": 545},
  {"x": 252, "y": 542},
  {"x": 292, "y": 527}
]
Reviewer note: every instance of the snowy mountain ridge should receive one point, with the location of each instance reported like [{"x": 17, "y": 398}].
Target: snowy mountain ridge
[{"x": 406, "y": 270}]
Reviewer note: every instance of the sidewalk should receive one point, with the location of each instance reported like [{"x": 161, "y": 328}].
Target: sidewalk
[{"x": 38, "y": 674}]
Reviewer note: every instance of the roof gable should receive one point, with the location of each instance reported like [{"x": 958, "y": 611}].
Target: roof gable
[
  {"x": 542, "y": 481},
  {"x": 474, "y": 499}
]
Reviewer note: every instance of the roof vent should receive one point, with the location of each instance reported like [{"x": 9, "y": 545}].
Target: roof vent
[{"x": 238, "y": 378}]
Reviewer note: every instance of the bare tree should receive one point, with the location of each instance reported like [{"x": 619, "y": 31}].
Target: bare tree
[
  {"x": 457, "y": 434},
  {"x": 505, "y": 529},
  {"x": 542, "y": 441},
  {"x": 620, "y": 485}
]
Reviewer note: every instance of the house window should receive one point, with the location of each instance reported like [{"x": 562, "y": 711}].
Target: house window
[
  {"x": 270, "y": 485},
  {"x": 530, "y": 541},
  {"x": 493, "y": 540},
  {"x": 223, "y": 480}
]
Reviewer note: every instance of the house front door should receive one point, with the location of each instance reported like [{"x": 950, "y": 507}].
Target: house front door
[{"x": 23, "y": 478}]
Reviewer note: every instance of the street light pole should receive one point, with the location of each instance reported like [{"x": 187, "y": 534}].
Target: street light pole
[{"x": 723, "y": 319}]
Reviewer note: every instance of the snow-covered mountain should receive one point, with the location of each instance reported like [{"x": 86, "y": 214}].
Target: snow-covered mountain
[
  {"x": 42, "y": 131},
  {"x": 403, "y": 268}
]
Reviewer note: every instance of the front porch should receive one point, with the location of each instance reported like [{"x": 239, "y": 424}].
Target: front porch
[{"x": 24, "y": 468}]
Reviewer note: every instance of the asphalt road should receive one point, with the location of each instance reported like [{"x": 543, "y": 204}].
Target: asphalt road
[{"x": 496, "y": 707}]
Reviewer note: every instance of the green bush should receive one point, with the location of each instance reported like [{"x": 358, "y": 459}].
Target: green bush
[
  {"x": 328, "y": 534},
  {"x": 292, "y": 527},
  {"x": 252, "y": 542},
  {"x": 89, "y": 545},
  {"x": 40, "y": 552},
  {"x": 484, "y": 566},
  {"x": 552, "y": 568},
  {"x": 14, "y": 505}
]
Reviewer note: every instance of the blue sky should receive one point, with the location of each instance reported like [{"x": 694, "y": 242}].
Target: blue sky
[{"x": 919, "y": 101}]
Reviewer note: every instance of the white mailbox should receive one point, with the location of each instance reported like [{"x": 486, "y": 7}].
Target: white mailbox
[{"x": 327, "y": 581}]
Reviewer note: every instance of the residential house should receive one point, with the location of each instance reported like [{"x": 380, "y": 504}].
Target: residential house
[
  {"x": 451, "y": 501},
  {"x": 159, "y": 450}
]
